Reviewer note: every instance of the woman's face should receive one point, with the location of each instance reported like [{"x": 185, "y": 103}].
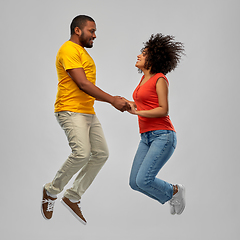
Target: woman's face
[{"x": 141, "y": 59}]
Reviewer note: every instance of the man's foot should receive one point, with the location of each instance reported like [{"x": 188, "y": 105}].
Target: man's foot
[
  {"x": 47, "y": 205},
  {"x": 74, "y": 208},
  {"x": 178, "y": 202}
]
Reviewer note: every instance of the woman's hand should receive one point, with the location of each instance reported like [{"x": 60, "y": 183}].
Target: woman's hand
[{"x": 133, "y": 109}]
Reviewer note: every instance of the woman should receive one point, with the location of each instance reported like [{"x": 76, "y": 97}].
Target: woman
[{"x": 159, "y": 56}]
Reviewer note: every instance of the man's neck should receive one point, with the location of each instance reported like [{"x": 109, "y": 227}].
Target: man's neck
[{"x": 74, "y": 38}]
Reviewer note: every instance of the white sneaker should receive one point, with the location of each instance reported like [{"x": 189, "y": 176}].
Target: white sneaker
[
  {"x": 172, "y": 209},
  {"x": 178, "y": 202}
]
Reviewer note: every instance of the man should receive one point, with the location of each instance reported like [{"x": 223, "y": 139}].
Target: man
[{"x": 75, "y": 113}]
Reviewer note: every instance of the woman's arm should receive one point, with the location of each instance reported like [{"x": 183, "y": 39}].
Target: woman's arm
[{"x": 162, "y": 110}]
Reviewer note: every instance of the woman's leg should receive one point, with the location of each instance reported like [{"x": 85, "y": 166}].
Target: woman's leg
[
  {"x": 160, "y": 146},
  {"x": 137, "y": 162}
]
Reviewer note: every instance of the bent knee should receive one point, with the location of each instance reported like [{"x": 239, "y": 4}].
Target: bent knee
[
  {"x": 105, "y": 154},
  {"x": 141, "y": 183},
  {"x": 102, "y": 155},
  {"x": 80, "y": 155},
  {"x": 133, "y": 185}
]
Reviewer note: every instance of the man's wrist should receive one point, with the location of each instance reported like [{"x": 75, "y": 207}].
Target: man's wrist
[{"x": 111, "y": 99}]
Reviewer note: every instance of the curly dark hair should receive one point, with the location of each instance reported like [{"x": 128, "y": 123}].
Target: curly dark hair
[{"x": 163, "y": 53}]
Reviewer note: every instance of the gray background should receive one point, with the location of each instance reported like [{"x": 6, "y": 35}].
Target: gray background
[{"x": 204, "y": 107}]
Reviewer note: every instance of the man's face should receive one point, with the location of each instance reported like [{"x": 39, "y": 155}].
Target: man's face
[{"x": 88, "y": 35}]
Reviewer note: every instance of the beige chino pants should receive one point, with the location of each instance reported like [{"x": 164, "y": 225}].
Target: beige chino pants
[{"x": 89, "y": 153}]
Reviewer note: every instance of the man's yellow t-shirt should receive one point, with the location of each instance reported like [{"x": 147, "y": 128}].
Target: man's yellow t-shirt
[{"x": 69, "y": 96}]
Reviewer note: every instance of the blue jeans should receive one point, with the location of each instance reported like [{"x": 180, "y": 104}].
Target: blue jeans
[{"x": 154, "y": 150}]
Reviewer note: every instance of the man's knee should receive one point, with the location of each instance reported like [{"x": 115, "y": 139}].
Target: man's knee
[
  {"x": 81, "y": 155},
  {"x": 100, "y": 155}
]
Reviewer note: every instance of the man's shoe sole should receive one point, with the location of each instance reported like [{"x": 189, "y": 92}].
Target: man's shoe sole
[{"x": 73, "y": 213}]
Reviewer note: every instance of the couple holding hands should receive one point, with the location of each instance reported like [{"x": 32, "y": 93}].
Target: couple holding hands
[{"x": 75, "y": 113}]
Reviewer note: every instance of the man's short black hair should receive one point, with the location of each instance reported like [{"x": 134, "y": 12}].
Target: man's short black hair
[{"x": 79, "y": 21}]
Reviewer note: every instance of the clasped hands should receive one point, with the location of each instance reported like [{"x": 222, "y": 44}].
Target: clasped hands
[{"x": 123, "y": 104}]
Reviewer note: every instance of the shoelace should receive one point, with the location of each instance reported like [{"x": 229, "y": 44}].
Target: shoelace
[{"x": 50, "y": 205}]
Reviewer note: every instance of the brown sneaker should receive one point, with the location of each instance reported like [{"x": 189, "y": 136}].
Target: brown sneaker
[
  {"x": 74, "y": 208},
  {"x": 47, "y": 205}
]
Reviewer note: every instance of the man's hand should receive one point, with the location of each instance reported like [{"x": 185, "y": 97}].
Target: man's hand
[
  {"x": 121, "y": 104},
  {"x": 79, "y": 77}
]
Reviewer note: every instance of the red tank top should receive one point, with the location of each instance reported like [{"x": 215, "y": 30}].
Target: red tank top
[{"x": 146, "y": 98}]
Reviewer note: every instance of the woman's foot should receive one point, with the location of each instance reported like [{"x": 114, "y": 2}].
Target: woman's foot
[{"x": 178, "y": 202}]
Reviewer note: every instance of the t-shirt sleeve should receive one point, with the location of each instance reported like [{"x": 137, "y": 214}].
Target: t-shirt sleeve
[{"x": 70, "y": 58}]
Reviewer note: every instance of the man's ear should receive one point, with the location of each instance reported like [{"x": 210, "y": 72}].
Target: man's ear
[{"x": 77, "y": 31}]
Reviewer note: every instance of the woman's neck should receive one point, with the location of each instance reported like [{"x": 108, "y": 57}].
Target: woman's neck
[{"x": 147, "y": 74}]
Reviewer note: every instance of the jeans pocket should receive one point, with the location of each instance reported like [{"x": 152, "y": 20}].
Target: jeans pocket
[
  {"x": 161, "y": 135},
  {"x": 158, "y": 133},
  {"x": 165, "y": 135},
  {"x": 63, "y": 113},
  {"x": 63, "y": 117}
]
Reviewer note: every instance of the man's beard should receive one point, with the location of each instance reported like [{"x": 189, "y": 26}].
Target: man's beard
[{"x": 85, "y": 42}]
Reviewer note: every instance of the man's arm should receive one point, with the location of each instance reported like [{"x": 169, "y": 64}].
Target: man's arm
[
  {"x": 79, "y": 77},
  {"x": 162, "y": 110}
]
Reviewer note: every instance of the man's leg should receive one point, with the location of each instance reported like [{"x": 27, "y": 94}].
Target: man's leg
[
  {"x": 76, "y": 127},
  {"x": 99, "y": 155}
]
